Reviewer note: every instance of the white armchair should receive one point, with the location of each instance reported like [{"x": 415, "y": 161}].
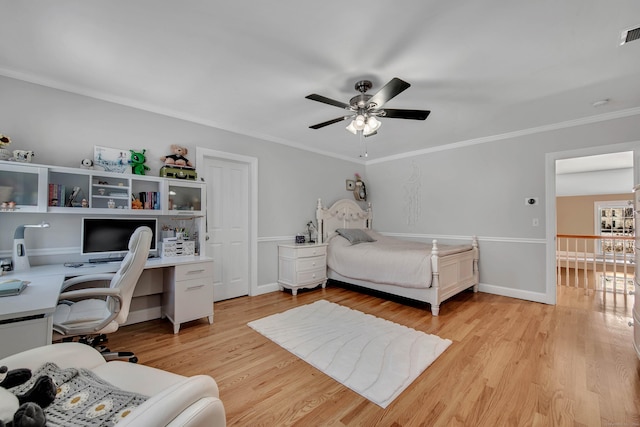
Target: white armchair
[{"x": 174, "y": 400}]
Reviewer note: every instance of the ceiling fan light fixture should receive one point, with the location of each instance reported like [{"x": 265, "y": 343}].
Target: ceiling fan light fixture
[
  {"x": 369, "y": 131},
  {"x": 352, "y": 128},
  {"x": 359, "y": 122},
  {"x": 373, "y": 124}
]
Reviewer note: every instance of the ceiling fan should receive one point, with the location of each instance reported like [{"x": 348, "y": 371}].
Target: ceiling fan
[{"x": 364, "y": 109}]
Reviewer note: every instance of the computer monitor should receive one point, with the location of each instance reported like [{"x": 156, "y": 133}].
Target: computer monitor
[{"x": 110, "y": 236}]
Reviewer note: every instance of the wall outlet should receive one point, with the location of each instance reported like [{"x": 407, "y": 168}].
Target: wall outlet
[{"x": 531, "y": 201}]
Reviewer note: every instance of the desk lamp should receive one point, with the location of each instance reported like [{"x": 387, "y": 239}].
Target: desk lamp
[{"x": 20, "y": 258}]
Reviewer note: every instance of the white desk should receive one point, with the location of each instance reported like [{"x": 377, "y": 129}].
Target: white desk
[{"x": 26, "y": 320}]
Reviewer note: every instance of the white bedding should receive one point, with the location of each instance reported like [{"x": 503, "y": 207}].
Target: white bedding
[{"x": 387, "y": 260}]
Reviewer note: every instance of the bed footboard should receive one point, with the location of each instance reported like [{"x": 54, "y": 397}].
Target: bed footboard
[{"x": 452, "y": 274}]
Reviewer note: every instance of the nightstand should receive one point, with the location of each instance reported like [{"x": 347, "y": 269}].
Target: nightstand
[{"x": 302, "y": 266}]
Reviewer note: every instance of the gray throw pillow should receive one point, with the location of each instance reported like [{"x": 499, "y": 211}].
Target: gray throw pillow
[{"x": 355, "y": 235}]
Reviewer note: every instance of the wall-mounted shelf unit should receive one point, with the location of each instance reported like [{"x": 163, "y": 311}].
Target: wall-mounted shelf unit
[{"x": 42, "y": 188}]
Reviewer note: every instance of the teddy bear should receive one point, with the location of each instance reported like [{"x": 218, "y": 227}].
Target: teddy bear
[
  {"x": 178, "y": 157},
  {"x": 24, "y": 410}
]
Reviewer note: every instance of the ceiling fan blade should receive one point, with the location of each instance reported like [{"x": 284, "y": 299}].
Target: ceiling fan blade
[
  {"x": 406, "y": 114},
  {"x": 389, "y": 91},
  {"x": 329, "y": 122},
  {"x": 325, "y": 100}
]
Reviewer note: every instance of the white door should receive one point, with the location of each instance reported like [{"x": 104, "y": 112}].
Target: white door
[{"x": 228, "y": 225}]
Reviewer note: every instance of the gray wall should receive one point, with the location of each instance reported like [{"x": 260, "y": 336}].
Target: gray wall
[
  {"x": 481, "y": 190},
  {"x": 62, "y": 128},
  {"x": 474, "y": 190}
]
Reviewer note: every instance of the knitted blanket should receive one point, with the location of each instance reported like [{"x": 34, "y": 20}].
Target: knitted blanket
[{"x": 83, "y": 398}]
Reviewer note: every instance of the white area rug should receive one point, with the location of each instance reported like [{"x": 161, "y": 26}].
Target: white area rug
[{"x": 375, "y": 358}]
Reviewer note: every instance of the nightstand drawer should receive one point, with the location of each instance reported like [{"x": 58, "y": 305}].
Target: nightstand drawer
[
  {"x": 305, "y": 264},
  {"x": 312, "y": 275},
  {"x": 312, "y": 251},
  {"x": 194, "y": 271}
]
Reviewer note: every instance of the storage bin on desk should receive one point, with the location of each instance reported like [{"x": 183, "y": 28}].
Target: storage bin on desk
[{"x": 171, "y": 248}]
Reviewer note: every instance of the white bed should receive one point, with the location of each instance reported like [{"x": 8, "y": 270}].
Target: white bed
[{"x": 428, "y": 273}]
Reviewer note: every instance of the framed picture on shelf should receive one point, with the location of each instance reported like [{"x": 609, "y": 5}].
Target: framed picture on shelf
[
  {"x": 351, "y": 185},
  {"x": 111, "y": 159}
]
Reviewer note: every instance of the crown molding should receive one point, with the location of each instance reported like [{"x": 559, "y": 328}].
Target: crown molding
[
  {"x": 515, "y": 134},
  {"x": 128, "y": 102},
  {"x": 78, "y": 90}
]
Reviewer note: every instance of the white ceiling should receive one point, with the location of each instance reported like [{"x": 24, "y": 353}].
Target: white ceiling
[{"x": 483, "y": 67}]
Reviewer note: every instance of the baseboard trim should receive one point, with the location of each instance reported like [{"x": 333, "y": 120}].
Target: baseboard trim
[
  {"x": 266, "y": 288},
  {"x": 513, "y": 293}
]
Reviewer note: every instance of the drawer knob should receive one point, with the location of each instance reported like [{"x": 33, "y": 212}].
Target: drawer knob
[
  {"x": 314, "y": 275},
  {"x": 630, "y": 323},
  {"x": 314, "y": 263}
]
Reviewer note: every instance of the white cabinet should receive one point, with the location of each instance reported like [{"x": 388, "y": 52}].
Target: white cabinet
[
  {"x": 302, "y": 266},
  {"x": 188, "y": 293},
  {"x": 184, "y": 196},
  {"x": 20, "y": 187}
]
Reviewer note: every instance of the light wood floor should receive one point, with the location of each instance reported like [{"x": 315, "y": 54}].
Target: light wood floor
[{"x": 512, "y": 362}]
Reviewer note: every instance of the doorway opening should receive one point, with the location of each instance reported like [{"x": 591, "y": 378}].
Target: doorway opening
[{"x": 590, "y": 225}]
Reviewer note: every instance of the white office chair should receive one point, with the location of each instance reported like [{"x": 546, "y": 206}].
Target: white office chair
[{"x": 92, "y": 312}]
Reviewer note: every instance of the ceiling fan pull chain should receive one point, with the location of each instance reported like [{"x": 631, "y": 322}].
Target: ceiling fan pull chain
[{"x": 363, "y": 145}]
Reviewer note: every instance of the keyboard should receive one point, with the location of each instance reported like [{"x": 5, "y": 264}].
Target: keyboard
[
  {"x": 106, "y": 259},
  {"x": 112, "y": 259}
]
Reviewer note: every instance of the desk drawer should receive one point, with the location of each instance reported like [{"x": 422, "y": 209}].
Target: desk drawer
[
  {"x": 24, "y": 335},
  {"x": 193, "y": 299},
  {"x": 198, "y": 270}
]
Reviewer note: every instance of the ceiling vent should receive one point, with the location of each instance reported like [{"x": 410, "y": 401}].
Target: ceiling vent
[{"x": 629, "y": 35}]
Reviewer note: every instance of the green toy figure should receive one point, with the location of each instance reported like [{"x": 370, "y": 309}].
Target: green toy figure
[{"x": 137, "y": 162}]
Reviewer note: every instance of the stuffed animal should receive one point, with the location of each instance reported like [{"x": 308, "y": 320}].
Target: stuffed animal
[
  {"x": 86, "y": 164},
  {"x": 24, "y": 410},
  {"x": 178, "y": 157},
  {"x": 137, "y": 162}
]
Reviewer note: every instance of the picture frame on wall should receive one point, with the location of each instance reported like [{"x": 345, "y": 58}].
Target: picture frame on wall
[
  {"x": 351, "y": 185},
  {"x": 111, "y": 159}
]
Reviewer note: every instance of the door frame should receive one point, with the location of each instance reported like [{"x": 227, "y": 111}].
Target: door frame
[
  {"x": 550, "y": 199},
  {"x": 252, "y": 162}
]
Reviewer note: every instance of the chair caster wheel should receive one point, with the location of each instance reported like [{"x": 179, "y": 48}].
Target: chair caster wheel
[{"x": 133, "y": 359}]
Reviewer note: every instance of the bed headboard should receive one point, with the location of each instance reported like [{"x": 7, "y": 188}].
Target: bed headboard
[{"x": 344, "y": 213}]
